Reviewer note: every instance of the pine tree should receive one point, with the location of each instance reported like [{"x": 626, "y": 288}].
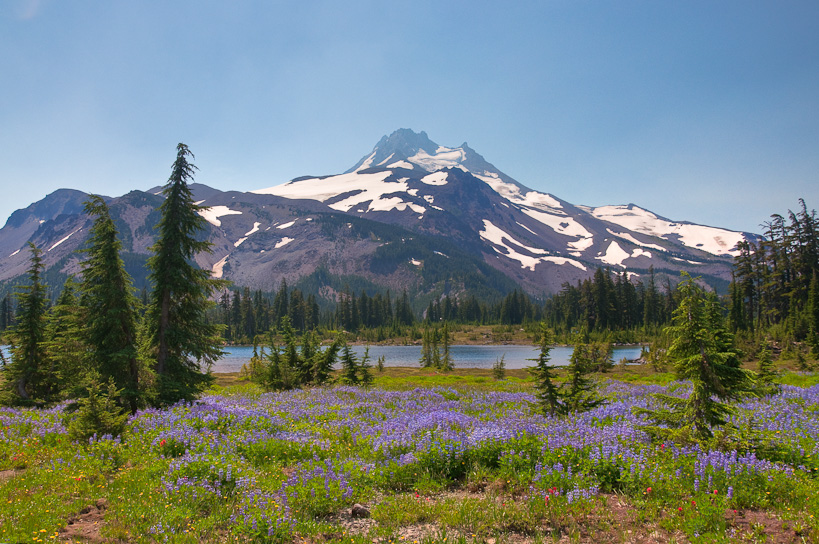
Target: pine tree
[
  {"x": 365, "y": 375},
  {"x": 28, "y": 375},
  {"x": 581, "y": 393},
  {"x": 548, "y": 393},
  {"x": 6, "y": 313},
  {"x": 766, "y": 373},
  {"x": 110, "y": 306},
  {"x": 427, "y": 356},
  {"x": 813, "y": 315},
  {"x": 702, "y": 351},
  {"x": 180, "y": 338},
  {"x": 98, "y": 413},
  {"x": 446, "y": 362},
  {"x": 65, "y": 341},
  {"x": 324, "y": 360},
  {"x": 349, "y": 366}
]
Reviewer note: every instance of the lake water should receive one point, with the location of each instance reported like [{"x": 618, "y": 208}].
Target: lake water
[{"x": 463, "y": 356}]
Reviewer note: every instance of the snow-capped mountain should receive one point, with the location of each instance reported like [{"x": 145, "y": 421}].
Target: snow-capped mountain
[
  {"x": 535, "y": 237},
  {"x": 411, "y": 213}
]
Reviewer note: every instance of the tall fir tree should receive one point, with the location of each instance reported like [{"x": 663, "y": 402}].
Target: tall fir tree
[
  {"x": 28, "y": 376},
  {"x": 180, "y": 339},
  {"x": 110, "y": 307}
]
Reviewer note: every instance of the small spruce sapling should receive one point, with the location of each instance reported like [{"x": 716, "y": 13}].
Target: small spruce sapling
[
  {"x": 99, "y": 413},
  {"x": 365, "y": 375},
  {"x": 499, "y": 368}
]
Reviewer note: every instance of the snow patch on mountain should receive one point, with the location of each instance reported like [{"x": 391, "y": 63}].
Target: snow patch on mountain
[
  {"x": 367, "y": 162},
  {"x": 710, "y": 239},
  {"x": 562, "y": 224},
  {"x": 218, "y": 268},
  {"x": 614, "y": 255},
  {"x": 635, "y": 241},
  {"x": 436, "y": 178},
  {"x": 564, "y": 260},
  {"x": 255, "y": 228},
  {"x": 239, "y": 242},
  {"x": 286, "y": 225},
  {"x": 401, "y": 164},
  {"x": 444, "y": 157},
  {"x": 64, "y": 239},
  {"x": 581, "y": 244},
  {"x": 499, "y": 237},
  {"x": 322, "y": 189},
  {"x": 213, "y": 214},
  {"x": 385, "y": 160},
  {"x": 283, "y": 242}
]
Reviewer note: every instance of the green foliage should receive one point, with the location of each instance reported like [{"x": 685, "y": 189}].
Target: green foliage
[
  {"x": 702, "y": 351},
  {"x": 65, "y": 342},
  {"x": 180, "y": 339},
  {"x": 499, "y": 368},
  {"x": 99, "y": 412},
  {"x": 580, "y": 391},
  {"x": 30, "y": 377},
  {"x": 349, "y": 366},
  {"x": 110, "y": 307},
  {"x": 549, "y": 395}
]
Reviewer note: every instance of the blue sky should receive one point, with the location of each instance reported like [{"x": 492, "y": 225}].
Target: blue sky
[{"x": 700, "y": 111}]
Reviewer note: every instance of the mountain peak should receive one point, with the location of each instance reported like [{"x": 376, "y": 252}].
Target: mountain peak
[{"x": 398, "y": 146}]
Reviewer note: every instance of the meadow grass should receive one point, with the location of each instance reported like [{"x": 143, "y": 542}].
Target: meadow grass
[{"x": 434, "y": 457}]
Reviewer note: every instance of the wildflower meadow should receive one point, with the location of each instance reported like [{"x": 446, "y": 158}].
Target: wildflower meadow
[{"x": 435, "y": 464}]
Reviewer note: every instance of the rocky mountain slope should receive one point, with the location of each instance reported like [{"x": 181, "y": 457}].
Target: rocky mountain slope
[{"x": 410, "y": 214}]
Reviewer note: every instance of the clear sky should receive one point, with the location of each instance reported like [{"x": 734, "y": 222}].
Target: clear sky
[{"x": 697, "y": 110}]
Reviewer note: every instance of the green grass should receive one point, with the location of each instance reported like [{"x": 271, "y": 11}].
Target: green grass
[{"x": 436, "y": 457}]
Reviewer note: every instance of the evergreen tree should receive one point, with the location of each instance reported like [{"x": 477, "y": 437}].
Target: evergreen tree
[
  {"x": 65, "y": 341},
  {"x": 702, "y": 351},
  {"x": 766, "y": 373},
  {"x": 581, "y": 395},
  {"x": 365, "y": 374},
  {"x": 548, "y": 393},
  {"x": 427, "y": 356},
  {"x": 813, "y": 315},
  {"x": 446, "y": 362},
  {"x": 324, "y": 360},
  {"x": 180, "y": 338},
  {"x": 28, "y": 375},
  {"x": 6, "y": 313},
  {"x": 98, "y": 413},
  {"x": 110, "y": 306},
  {"x": 349, "y": 366}
]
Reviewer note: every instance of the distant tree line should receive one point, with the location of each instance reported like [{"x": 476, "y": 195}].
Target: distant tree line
[{"x": 775, "y": 288}]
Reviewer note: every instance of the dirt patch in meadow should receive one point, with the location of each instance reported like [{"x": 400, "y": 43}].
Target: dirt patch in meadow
[
  {"x": 613, "y": 521},
  {"x": 86, "y": 525},
  {"x": 8, "y": 474},
  {"x": 751, "y": 525}
]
